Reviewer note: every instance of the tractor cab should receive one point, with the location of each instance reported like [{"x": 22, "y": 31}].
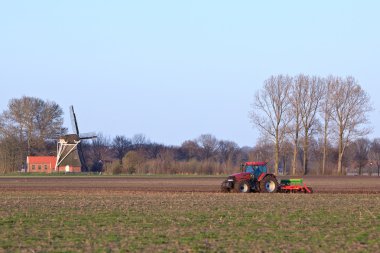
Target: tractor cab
[{"x": 255, "y": 168}]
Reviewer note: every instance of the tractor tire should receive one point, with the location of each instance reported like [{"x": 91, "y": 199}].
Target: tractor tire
[
  {"x": 242, "y": 187},
  {"x": 269, "y": 185},
  {"x": 223, "y": 188}
]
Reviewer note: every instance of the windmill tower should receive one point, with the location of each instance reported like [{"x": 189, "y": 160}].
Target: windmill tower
[{"x": 69, "y": 148}]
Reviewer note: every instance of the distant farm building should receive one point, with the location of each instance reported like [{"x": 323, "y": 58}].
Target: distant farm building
[{"x": 47, "y": 164}]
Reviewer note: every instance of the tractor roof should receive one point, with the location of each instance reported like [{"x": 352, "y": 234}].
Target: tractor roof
[{"x": 256, "y": 163}]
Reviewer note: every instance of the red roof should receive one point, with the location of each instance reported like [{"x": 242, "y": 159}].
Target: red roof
[
  {"x": 42, "y": 160},
  {"x": 255, "y": 163}
]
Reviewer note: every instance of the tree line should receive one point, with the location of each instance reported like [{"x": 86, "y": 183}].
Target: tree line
[
  {"x": 308, "y": 125},
  {"x": 203, "y": 155}
]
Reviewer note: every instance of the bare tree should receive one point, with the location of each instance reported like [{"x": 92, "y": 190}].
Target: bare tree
[
  {"x": 296, "y": 94},
  {"x": 139, "y": 141},
  {"x": 33, "y": 121},
  {"x": 270, "y": 109},
  {"x": 48, "y": 120},
  {"x": 362, "y": 147},
  {"x": 209, "y": 145},
  {"x": 227, "y": 151},
  {"x": 325, "y": 112},
  {"x": 374, "y": 154},
  {"x": 121, "y": 145},
  {"x": 153, "y": 150},
  {"x": 286, "y": 157},
  {"x": 351, "y": 105},
  {"x": 190, "y": 150},
  {"x": 100, "y": 151},
  {"x": 312, "y": 90},
  {"x": 11, "y": 156},
  {"x": 262, "y": 151}
]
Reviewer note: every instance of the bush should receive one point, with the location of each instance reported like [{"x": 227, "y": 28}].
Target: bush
[
  {"x": 132, "y": 162},
  {"x": 116, "y": 168}
]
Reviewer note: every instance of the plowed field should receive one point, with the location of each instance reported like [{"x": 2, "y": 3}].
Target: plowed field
[
  {"x": 173, "y": 184},
  {"x": 185, "y": 214}
]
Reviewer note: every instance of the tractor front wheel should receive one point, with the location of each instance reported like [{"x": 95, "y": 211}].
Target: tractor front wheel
[
  {"x": 224, "y": 188},
  {"x": 242, "y": 187},
  {"x": 269, "y": 185}
]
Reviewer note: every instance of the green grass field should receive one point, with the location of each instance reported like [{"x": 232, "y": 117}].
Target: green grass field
[{"x": 117, "y": 221}]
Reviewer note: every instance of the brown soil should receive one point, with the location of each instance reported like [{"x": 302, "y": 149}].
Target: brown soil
[{"x": 174, "y": 184}]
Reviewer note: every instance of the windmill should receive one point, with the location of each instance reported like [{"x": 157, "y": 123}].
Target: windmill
[{"x": 69, "y": 147}]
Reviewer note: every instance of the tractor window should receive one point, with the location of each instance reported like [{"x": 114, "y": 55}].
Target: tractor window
[
  {"x": 256, "y": 170},
  {"x": 259, "y": 170},
  {"x": 249, "y": 169}
]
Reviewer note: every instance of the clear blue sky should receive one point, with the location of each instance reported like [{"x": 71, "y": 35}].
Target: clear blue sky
[{"x": 176, "y": 69}]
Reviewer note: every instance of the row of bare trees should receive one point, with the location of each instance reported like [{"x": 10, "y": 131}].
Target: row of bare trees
[
  {"x": 362, "y": 157},
  {"x": 296, "y": 109}
]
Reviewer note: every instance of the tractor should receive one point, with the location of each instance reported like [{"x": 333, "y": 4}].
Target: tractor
[{"x": 254, "y": 177}]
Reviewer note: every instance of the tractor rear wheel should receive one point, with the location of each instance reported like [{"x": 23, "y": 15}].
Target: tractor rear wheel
[
  {"x": 269, "y": 185},
  {"x": 242, "y": 187}
]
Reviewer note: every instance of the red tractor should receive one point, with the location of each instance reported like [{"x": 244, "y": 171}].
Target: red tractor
[{"x": 255, "y": 178}]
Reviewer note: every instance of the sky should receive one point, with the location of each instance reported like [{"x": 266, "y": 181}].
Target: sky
[{"x": 174, "y": 70}]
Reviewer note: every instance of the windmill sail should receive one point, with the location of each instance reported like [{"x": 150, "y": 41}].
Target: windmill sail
[
  {"x": 74, "y": 122},
  {"x": 81, "y": 158},
  {"x": 87, "y": 136}
]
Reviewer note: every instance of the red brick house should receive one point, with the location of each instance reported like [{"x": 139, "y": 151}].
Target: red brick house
[{"x": 46, "y": 164}]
